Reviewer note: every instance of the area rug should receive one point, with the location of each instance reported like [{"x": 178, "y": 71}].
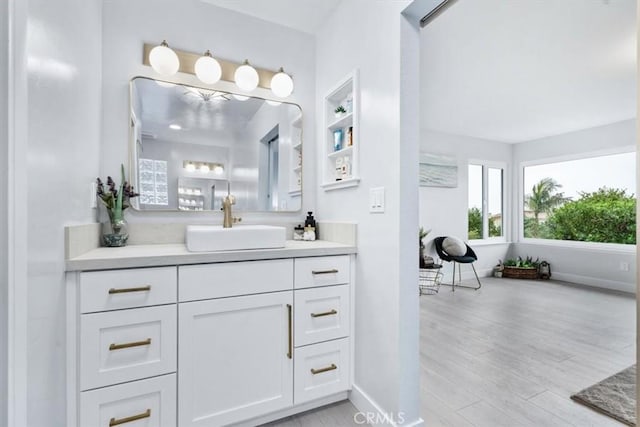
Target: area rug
[{"x": 614, "y": 396}]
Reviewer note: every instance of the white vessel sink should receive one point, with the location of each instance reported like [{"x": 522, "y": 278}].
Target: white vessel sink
[{"x": 210, "y": 238}]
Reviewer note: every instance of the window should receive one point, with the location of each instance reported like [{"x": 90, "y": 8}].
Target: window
[
  {"x": 153, "y": 182},
  {"x": 486, "y": 201},
  {"x": 589, "y": 200}
]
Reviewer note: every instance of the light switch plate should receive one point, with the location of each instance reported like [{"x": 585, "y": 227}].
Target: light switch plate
[
  {"x": 93, "y": 197},
  {"x": 376, "y": 200}
]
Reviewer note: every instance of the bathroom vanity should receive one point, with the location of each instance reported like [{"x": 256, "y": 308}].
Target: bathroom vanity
[{"x": 160, "y": 334}]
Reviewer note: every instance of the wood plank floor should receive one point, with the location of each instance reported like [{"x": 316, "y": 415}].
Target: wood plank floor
[{"x": 511, "y": 354}]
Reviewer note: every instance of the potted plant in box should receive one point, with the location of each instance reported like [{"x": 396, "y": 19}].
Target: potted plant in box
[{"x": 521, "y": 268}]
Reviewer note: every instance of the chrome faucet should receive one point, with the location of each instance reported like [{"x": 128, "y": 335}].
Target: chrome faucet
[{"x": 227, "y": 202}]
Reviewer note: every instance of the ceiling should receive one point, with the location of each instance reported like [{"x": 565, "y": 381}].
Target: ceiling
[
  {"x": 514, "y": 71},
  {"x": 301, "y": 15}
]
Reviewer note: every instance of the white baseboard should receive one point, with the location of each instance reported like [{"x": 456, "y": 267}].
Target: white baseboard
[
  {"x": 369, "y": 407},
  {"x": 595, "y": 282}
]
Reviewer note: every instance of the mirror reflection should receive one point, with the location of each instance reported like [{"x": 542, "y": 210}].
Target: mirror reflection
[{"x": 192, "y": 146}]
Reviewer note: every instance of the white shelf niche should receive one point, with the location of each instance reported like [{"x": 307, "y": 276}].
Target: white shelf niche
[{"x": 346, "y": 94}]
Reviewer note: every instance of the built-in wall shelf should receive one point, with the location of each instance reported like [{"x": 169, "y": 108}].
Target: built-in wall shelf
[
  {"x": 337, "y": 185},
  {"x": 342, "y": 121},
  {"x": 344, "y": 152},
  {"x": 295, "y": 177},
  {"x": 341, "y": 140}
]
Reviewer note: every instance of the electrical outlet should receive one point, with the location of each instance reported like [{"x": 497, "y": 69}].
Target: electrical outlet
[
  {"x": 624, "y": 266},
  {"x": 376, "y": 200}
]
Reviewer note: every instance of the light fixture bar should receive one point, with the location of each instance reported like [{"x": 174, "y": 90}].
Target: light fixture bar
[{"x": 188, "y": 60}]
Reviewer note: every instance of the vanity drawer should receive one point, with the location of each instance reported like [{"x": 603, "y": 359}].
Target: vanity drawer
[
  {"x": 321, "y": 370},
  {"x": 117, "y": 289},
  {"x": 148, "y": 403},
  {"x": 229, "y": 279},
  {"x": 321, "y": 314},
  {"x": 321, "y": 271},
  {"x": 125, "y": 345}
]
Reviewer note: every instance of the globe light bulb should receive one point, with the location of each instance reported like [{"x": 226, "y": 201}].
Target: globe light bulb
[
  {"x": 246, "y": 77},
  {"x": 281, "y": 84},
  {"x": 164, "y": 60},
  {"x": 207, "y": 69}
]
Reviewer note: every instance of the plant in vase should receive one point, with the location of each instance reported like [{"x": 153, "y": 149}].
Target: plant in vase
[
  {"x": 339, "y": 111},
  {"x": 421, "y": 235},
  {"x": 115, "y": 200}
]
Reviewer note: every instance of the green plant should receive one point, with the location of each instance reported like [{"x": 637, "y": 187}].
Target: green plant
[
  {"x": 423, "y": 233},
  {"x": 340, "y": 110},
  {"x": 528, "y": 262},
  {"x": 544, "y": 198},
  {"x": 606, "y": 216},
  {"x": 115, "y": 200}
]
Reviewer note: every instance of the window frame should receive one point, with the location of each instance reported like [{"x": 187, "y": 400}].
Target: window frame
[
  {"x": 600, "y": 246},
  {"x": 506, "y": 203}
]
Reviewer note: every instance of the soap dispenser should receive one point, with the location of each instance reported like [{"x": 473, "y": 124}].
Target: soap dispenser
[{"x": 310, "y": 227}]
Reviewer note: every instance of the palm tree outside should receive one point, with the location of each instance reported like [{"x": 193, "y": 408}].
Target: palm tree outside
[{"x": 544, "y": 198}]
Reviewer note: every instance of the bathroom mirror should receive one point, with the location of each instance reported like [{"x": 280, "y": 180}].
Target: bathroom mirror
[{"x": 190, "y": 146}]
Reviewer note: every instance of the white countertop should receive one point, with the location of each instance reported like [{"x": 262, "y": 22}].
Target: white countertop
[{"x": 176, "y": 254}]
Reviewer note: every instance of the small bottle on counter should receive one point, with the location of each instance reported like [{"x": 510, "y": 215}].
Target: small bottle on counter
[
  {"x": 298, "y": 232},
  {"x": 310, "y": 227}
]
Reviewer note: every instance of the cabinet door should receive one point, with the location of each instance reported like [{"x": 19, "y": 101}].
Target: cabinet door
[{"x": 234, "y": 358}]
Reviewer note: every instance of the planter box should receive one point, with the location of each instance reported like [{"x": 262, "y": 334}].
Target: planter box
[{"x": 520, "y": 272}]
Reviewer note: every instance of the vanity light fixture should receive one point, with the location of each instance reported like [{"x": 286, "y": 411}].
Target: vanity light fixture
[
  {"x": 164, "y": 60},
  {"x": 207, "y": 69},
  {"x": 281, "y": 84},
  {"x": 246, "y": 77},
  {"x": 210, "y": 70},
  {"x": 203, "y": 167},
  {"x": 175, "y": 126}
]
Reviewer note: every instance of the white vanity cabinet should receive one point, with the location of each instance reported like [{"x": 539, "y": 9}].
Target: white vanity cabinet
[
  {"x": 236, "y": 353},
  {"x": 236, "y": 360},
  {"x": 210, "y": 344},
  {"x": 122, "y": 339}
]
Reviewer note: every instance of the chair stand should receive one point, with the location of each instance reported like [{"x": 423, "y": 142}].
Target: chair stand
[{"x": 453, "y": 281}]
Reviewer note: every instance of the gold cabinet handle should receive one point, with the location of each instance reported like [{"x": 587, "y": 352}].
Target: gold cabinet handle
[
  {"x": 290, "y": 347},
  {"x": 332, "y": 271},
  {"x": 332, "y": 367},
  {"x": 326, "y": 313},
  {"x": 127, "y": 290},
  {"x": 129, "y": 344},
  {"x": 117, "y": 422}
]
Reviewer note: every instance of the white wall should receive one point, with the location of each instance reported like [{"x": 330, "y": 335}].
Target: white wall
[
  {"x": 596, "y": 266},
  {"x": 195, "y": 26},
  {"x": 4, "y": 179},
  {"x": 444, "y": 210},
  {"x": 359, "y": 35},
  {"x": 63, "y": 113}
]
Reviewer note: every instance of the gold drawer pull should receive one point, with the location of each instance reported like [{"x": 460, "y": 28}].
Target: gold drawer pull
[
  {"x": 332, "y": 271},
  {"x": 326, "y": 313},
  {"x": 129, "y": 344},
  {"x": 321, "y": 370},
  {"x": 117, "y": 422},
  {"x": 127, "y": 290}
]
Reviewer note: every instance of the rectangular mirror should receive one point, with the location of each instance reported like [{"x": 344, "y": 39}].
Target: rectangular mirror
[{"x": 190, "y": 146}]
